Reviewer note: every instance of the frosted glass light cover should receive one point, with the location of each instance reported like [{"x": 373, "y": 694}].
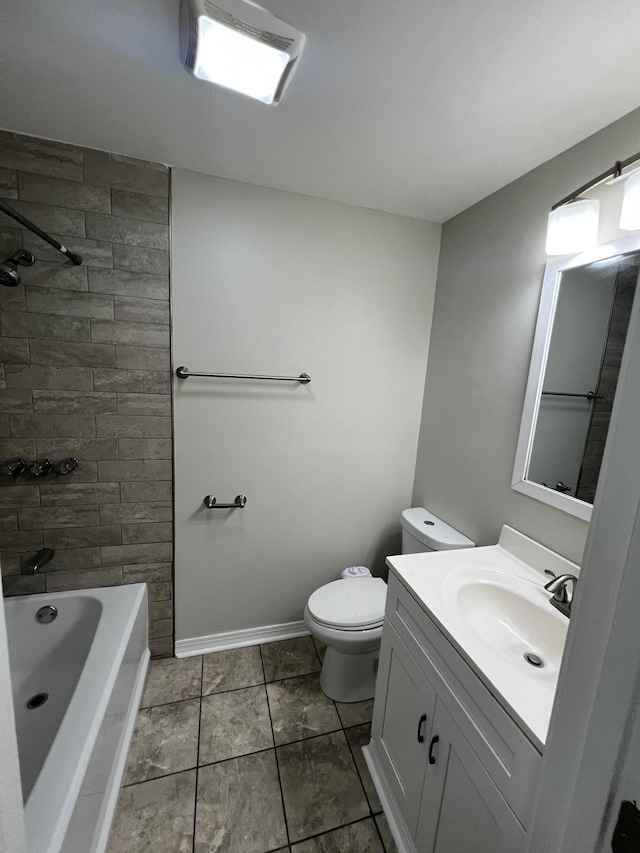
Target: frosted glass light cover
[
  {"x": 573, "y": 228},
  {"x": 630, "y": 213},
  {"x": 237, "y": 61}
]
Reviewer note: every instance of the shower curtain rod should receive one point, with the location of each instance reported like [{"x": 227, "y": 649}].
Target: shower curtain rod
[{"x": 6, "y": 208}]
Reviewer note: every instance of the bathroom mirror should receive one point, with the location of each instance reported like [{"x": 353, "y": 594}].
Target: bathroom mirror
[{"x": 583, "y": 318}]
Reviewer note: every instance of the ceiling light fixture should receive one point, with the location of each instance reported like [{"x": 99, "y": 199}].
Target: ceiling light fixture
[
  {"x": 573, "y": 221},
  {"x": 241, "y": 47}
]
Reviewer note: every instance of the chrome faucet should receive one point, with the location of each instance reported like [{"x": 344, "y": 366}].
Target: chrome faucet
[
  {"x": 561, "y": 598},
  {"x": 38, "y": 560}
]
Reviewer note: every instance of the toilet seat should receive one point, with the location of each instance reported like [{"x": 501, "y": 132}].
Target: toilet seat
[{"x": 350, "y": 604}]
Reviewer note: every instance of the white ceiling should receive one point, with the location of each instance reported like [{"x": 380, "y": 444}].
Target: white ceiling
[{"x": 417, "y": 107}]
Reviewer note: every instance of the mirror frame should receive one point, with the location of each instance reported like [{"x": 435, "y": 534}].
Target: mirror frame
[{"x": 544, "y": 327}]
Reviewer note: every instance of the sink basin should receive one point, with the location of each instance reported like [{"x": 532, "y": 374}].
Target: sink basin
[
  {"x": 511, "y": 615},
  {"x": 490, "y": 602}
]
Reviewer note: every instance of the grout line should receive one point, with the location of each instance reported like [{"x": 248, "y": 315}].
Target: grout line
[
  {"x": 275, "y": 752},
  {"x": 335, "y": 829},
  {"x": 195, "y": 803},
  {"x": 353, "y": 756}
]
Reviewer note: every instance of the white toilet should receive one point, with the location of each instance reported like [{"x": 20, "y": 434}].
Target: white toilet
[{"x": 347, "y": 615}]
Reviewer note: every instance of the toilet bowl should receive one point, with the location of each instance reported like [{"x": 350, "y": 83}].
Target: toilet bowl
[{"x": 347, "y": 615}]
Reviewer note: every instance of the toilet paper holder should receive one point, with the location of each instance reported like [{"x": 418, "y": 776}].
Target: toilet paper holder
[{"x": 211, "y": 503}]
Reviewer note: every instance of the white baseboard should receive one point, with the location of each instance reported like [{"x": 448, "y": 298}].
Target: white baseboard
[
  {"x": 398, "y": 828},
  {"x": 237, "y": 639}
]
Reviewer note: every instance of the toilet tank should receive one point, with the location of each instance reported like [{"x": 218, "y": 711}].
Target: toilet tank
[{"x": 422, "y": 531}]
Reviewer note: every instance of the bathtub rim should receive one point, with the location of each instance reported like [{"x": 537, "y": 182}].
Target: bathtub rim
[{"x": 47, "y": 836}]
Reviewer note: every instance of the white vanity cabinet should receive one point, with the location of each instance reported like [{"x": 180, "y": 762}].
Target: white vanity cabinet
[{"x": 453, "y": 770}]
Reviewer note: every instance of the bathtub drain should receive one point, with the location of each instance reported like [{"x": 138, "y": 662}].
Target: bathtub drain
[
  {"x": 37, "y": 700},
  {"x": 534, "y": 660}
]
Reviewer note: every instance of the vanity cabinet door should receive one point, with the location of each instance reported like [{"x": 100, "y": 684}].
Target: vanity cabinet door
[
  {"x": 401, "y": 727},
  {"x": 461, "y": 809}
]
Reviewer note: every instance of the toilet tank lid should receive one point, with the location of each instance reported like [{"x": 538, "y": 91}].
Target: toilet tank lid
[{"x": 432, "y": 531}]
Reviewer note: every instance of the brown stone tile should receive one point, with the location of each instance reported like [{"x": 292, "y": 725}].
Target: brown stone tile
[
  {"x": 143, "y": 358},
  {"x": 62, "y": 220},
  {"x": 56, "y": 276},
  {"x": 40, "y": 157},
  {"x": 126, "y": 426},
  {"x": 147, "y": 532},
  {"x": 156, "y": 552},
  {"x": 165, "y": 741},
  {"x": 136, "y": 513},
  {"x": 232, "y": 669},
  {"x": 143, "y": 492},
  {"x": 144, "y": 404},
  {"x": 69, "y": 303},
  {"x": 82, "y": 493},
  {"x": 135, "y": 381},
  {"x": 82, "y": 537},
  {"x": 42, "y": 377},
  {"x": 84, "y": 402},
  {"x": 145, "y": 448},
  {"x": 140, "y": 259},
  {"x": 172, "y": 680},
  {"x": 65, "y": 193},
  {"x": 84, "y": 579},
  {"x": 141, "y": 310},
  {"x": 50, "y": 517},
  {"x": 152, "y": 573},
  {"x": 67, "y": 426},
  {"x": 133, "y": 205},
  {"x": 75, "y": 355},
  {"x": 288, "y": 658},
  {"x": 239, "y": 806},
  {"x": 138, "y": 284},
  {"x": 20, "y": 325},
  {"x": 121, "y": 332},
  {"x": 155, "y": 816}
]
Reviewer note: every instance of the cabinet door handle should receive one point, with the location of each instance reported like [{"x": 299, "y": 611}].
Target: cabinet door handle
[
  {"x": 434, "y": 740},
  {"x": 421, "y": 722}
]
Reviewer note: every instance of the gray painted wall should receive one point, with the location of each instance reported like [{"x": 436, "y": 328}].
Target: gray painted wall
[
  {"x": 270, "y": 282},
  {"x": 489, "y": 281},
  {"x": 84, "y": 372}
]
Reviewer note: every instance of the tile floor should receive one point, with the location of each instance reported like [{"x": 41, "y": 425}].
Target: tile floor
[{"x": 241, "y": 752}]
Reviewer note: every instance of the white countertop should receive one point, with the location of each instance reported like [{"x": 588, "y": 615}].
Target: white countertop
[{"x": 450, "y": 587}]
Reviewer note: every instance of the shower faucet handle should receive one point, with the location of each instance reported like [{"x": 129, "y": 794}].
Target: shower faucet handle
[
  {"x": 13, "y": 467},
  {"x": 68, "y": 465},
  {"x": 41, "y": 467}
]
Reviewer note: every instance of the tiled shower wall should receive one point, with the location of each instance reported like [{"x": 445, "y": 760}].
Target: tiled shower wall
[{"x": 84, "y": 372}]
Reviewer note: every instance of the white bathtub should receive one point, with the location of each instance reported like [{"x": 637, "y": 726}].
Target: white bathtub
[{"x": 91, "y": 662}]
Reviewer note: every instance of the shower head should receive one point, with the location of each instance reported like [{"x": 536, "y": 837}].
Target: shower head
[{"x": 9, "y": 275}]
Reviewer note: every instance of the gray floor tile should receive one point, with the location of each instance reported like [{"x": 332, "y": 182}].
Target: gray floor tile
[
  {"x": 359, "y": 837},
  {"x": 234, "y": 724},
  {"x": 288, "y": 658},
  {"x": 300, "y": 709},
  {"x": 385, "y": 832},
  {"x": 358, "y": 737},
  {"x": 156, "y": 816},
  {"x": 172, "y": 679},
  {"x": 231, "y": 669},
  {"x": 355, "y": 713},
  {"x": 165, "y": 740},
  {"x": 320, "y": 785},
  {"x": 239, "y": 808}
]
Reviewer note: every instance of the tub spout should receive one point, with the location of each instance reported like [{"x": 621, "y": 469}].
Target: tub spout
[{"x": 40, "y": 559}]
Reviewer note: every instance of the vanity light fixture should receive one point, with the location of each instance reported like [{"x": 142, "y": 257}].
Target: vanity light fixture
[
  {"x": 573, "y": 228},
  {"x": 630, "y": 213},
  {"x": 241, "y": 47},
  {"x": 573, "y": 221}
]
